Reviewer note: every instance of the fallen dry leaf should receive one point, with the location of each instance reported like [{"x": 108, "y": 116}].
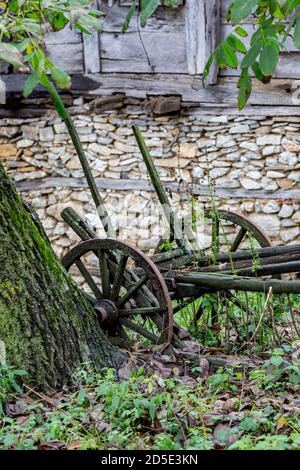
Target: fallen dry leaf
[
  {"x": 52, "y": 445},
  {"x": 74, "y": 445},
  {"x": 189, "y": 381},
  {"x": 224, "y": 435}
]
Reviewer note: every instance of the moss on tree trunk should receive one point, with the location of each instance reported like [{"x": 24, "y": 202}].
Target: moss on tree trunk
[{"x": 46, "y": 324}]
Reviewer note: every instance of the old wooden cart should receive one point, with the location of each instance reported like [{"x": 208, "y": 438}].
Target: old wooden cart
[{"x": 136, "y": 296}]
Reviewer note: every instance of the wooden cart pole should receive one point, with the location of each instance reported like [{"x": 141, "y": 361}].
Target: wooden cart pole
[
  {"x": 100, "y": 207},
  {"x": 175, "y": 232}
]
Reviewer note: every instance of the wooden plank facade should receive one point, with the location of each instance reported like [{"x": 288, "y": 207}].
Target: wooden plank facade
[{"x": 164, "y": 58}]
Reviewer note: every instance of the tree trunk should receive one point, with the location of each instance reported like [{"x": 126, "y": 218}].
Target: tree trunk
[{"x": 46, "y": 326}]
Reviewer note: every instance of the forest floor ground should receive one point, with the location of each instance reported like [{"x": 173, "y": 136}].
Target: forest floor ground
[{"x": 162, "y": 402}]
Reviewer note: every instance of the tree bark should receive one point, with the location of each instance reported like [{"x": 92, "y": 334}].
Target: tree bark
[{"x": 46, "y": 326}]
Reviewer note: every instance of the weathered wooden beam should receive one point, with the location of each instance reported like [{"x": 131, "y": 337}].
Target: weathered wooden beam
[
  {"x": 195, "y": 36},
  {"x": 229, "y": 258},
  {"x": 224, "y": 282},
  {"x": 276, "y": 93},
  {"x": 240, "y": 267},
  {"x": 78, "y": 224},
  {"x": 212, "y": 34},
  {"x": 274, "y": 269},
  {"x": 91, "y": 50},
  {"x": 224, "y": 94},
  {"x": 139, "y": 185}
]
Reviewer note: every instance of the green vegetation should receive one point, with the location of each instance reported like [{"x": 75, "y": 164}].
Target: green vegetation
[{"x": 232, "y": 409}]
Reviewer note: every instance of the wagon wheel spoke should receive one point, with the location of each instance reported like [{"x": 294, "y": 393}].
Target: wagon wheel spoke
[
  {"x": 238, "y": 239},
  {"x": 122, "y": 332},
  {"x": 119, "y": 276},
  {"x": 141, "y": 311},
  {"x": 89, "y": 280},
  {"x": 104, "y": 273},
  {"x": 132, "y": 291},
  {"x": 140, "y": 330}
]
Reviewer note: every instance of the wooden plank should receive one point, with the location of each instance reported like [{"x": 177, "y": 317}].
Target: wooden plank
[
  {"x": 212, "y": 36},
  {"x": 126, "y": 53},
  {"x": 195, "y": 36},
  {"x": 80, "y": 84},
  {"x": 67, "y": 35},
  {"x": 255, "y": 111},
  {"x": 91, "y": 50},
  {"x": 67, "y": 56},
  {"x": 277, "y": 93},
  {"x": 140, "y": 185}
]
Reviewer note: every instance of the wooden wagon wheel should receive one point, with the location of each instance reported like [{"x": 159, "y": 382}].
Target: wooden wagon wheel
[
  {"x": 125, "y": 288},
  {"x": 243, "y": 226},
  {"x": 245, "y": 234}
]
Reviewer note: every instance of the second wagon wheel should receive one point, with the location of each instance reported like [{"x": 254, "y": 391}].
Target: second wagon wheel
[
  {"x": 232, "y": 232},
  {"x": 125, "y": 288},
  {"x": 219, "y": 231}
]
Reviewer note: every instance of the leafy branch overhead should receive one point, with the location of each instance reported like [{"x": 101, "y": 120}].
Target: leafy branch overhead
[
  {"x": 275, "y": 21},
  {"x": 24, "y": 26}
]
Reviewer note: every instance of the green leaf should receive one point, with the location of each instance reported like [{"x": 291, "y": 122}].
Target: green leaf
[
  {"x": 90, "y": 23},
  {"x": 297, "y": 32},
  {"x": 241, "y": 9},
  {"x": 148, "y": 10},
  {"x": 129, "y": 17},
  {"x": 57, "y": 20},
  {"x": 61, "y": 78},
  {"x": 221, "y": 56},
  {"x": 245, "y": 88},
  {"x": 31, "y": 82},
  {"x": 251, "y": 55},
  {"x": 231, "y": 58},
  {"x": 236, "y": 44},
  {"x": 207, "y": 68},
  {"x": 11, "y": 55},
  {"x": 257, "y": 72},
  {"x": 268, "y": 60},
  {"x": 22, "y": 45},
  {"x": 241, "y": 32},
  {"x": 276, "y": 361}
]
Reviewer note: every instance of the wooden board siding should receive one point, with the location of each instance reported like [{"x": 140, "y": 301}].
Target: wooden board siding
[
  {"x": 166, "y": 53},
  {"x": 160, "y": 47},
  {"x": 67, "y": 56},
  {"x": 178, "y": 43}
]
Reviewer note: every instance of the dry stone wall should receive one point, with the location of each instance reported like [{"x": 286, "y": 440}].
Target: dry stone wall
[{"x": 257, "y": 156}]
